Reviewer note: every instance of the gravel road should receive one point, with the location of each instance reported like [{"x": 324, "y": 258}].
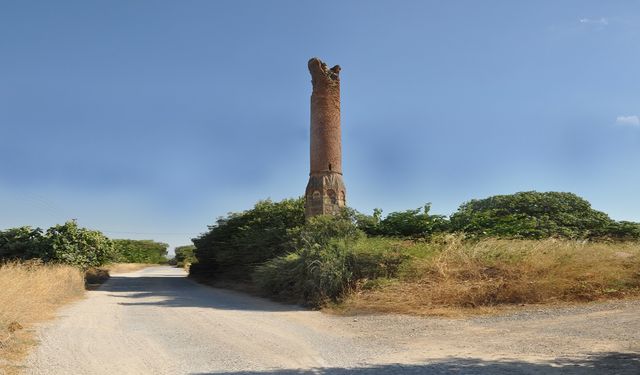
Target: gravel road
[{"x": 156, "y": 321}]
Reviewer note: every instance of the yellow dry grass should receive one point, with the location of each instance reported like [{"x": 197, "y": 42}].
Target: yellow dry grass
[
  {"x": 29, "y": 293},
  {"x": 480, "y": 277},
  {"x": 126, "y": 267}
]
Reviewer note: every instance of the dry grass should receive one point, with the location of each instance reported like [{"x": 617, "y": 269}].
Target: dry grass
[
  {"x": 126, "y": 267},
  {"x": 480, "y": 277},
  {"x": 96, "y": 276},
  {"x": 29, "y": 293}
]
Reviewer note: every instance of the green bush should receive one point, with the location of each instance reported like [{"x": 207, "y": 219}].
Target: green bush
[
  {"x": 22, "y": 243},
  {"x": 70, "y": 244},
  {"x": 184, "y": 255},
  {"x": 140, "y": 251},
  {"x": 536, "y": 215},
  {"x": 331, "y": 257},
  {"x": 239, "y": 242},
  {"x": 380, "y": 257},
  {"x": 624, "y": 231},
  {"x": 410, "y": 223},
  {"x": 66, "y": 243},
  {"x": 320, "y": 269}
]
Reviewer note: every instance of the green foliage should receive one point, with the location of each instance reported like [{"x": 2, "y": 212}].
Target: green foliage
[
  {"x": 536, "y": 215},
  {"x": 240, "y": 241},
  {"x": 624, "y": 231},
  {"x": 185, "y": 255},
  {"x": 332, "y": 256},
  {"x": 382, "y": 257},
  {"x": 323, "y": 258},
  {"x": 415, "y": 223},
  {"x": 77, "y": 246},
  {"x": 320, "y": 269},
  {"x": 65, "y": 243},
  {"x": 140, "y": 251},
  {"x": 22, "y": 243},
  {"x": 409, "y": 223},
  {"x": 369, "y": 224}
]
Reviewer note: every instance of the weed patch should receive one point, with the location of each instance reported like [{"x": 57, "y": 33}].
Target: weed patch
[{"x": 31, "y": 292}]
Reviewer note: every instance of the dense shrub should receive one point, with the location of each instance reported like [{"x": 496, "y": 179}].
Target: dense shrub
[
  {"x": 624, "y": 231},
  {"x": 320, "y": 269},
  {"x": 240, "y": 241},
  {"x": 184, "y": 255},
  {"x": 325, "y": 257},
  {"x": 410, "y": 223},
  {"x": 536, "y": 215},
  {"x": 381, "y": 257},
  {"x": 369, "y": 224},
  {"x": 70, "y": 244},
  {"x": 22, "y": 243},
  {"x": 416, "y": 222},
  {"x": 66, "y": 243},
  {"x": 140, "y": 251}
]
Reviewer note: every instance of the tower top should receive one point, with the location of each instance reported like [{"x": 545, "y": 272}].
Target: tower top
[{"x": 320, "y": 71}]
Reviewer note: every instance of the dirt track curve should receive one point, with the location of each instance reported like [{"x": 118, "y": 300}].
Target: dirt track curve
[{"x": 156, "y": 321}]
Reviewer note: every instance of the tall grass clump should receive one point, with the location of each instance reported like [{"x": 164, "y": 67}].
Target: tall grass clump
[
  {"x": 30, "y": 292},
  {"x": 452, "y": 273},
  {"x": 319, "y": 270}
]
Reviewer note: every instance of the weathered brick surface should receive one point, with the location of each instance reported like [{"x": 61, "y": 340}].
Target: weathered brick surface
[{"x": 325, "y": 193}]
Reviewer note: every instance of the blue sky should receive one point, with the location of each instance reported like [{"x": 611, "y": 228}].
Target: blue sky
[{"x": 149, "y": 119}]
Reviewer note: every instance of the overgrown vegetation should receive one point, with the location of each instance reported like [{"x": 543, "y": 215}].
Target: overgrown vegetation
[
  {"x": 66, "y": 243},
  {"x": 534, "y": 215},
  {"x": 40, "y": 271},
  {"x": 523, "y": 248},
  {"x": 321, "y": 267},
  {"x": 31, "y": 292},
  {"x": 239, "y": 242},
  {"x": 184, "y": 255},
  {"x": 139, "y": 251},
  {"x": 450, "y": 273},
  {"x": 71, "y": 244},
  {"x": 410, "y": 223}
]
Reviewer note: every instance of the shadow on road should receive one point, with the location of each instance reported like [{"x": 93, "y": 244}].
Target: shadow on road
[
  {"x": 601, "y": 363},
  {"x": 178, "y": 291}
]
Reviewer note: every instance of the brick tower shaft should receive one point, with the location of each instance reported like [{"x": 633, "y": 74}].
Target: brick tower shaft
[{"x": 325, "y": 193}]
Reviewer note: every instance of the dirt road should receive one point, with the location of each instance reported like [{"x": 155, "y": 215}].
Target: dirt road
[{"x": 155, "y": 321}]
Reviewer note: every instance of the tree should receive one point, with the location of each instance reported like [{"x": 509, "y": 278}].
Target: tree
[
  {"x": 409, "y": 223},
  {"x": 369, "y": 224},
  {"x": 242, "y": 240},
  {"x": 140, "y": 251},
  {"x": 22, "y": 243},
  {"x": 532, "y": 215},
  {"x": 185, "y": 255},
  {"x": 82, "y": 247}
]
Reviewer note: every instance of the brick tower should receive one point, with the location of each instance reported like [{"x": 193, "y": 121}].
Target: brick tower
[{"x": 325, "y": 193}]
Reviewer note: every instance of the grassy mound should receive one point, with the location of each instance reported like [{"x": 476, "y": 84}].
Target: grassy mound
[{"x": 450, "y": 273}]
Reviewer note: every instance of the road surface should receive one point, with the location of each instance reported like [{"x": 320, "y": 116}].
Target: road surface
[{"x": 156, "y": 321}]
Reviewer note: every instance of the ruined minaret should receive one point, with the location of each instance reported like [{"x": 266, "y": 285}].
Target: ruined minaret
[{"x": 325, "y": 193}]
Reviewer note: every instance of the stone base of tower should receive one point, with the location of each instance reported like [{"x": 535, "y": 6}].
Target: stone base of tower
[{"x": 325, "y": 194}]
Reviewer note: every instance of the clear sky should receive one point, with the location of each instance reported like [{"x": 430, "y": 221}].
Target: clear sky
[{"x": 149, "y": 119}]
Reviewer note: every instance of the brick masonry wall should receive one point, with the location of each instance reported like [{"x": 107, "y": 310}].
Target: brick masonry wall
[{"x": 325, "y": 193}]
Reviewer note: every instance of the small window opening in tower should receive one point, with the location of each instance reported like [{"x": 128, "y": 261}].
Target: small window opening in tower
[{"x": 329, "y": 166}]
